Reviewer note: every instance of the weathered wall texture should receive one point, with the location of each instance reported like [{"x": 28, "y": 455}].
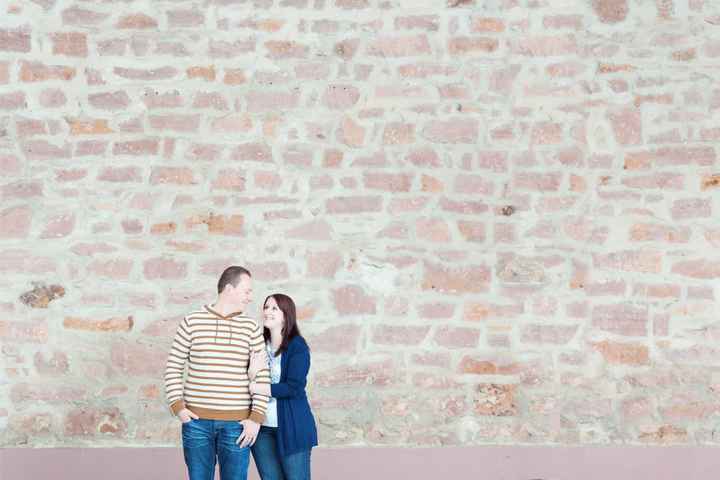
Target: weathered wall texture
[{"x": 499, "y": 217}]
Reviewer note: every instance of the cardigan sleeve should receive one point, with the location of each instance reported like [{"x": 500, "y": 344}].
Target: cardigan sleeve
[{"x": 298, "y": 366}]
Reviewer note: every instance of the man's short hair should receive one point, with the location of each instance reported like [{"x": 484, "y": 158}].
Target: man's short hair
[{"x": 231, "y": 275}]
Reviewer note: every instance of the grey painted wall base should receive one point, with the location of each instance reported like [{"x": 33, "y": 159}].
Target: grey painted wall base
[{"x": 448, "y": 463}]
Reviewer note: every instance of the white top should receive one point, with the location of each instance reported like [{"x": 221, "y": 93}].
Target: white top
[{"x": 271, "y": 419}]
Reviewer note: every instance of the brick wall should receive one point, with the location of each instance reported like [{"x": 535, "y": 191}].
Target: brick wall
[{"x": 498, "y": 217}]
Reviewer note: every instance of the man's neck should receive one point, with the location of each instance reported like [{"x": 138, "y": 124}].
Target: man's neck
[{"x": 225, "y": 308}]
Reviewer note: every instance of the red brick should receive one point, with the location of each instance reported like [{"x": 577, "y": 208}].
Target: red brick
[
  {"x": 15, "y": 40},
  {"x": 368, "y": 373},
  {"x": 351, "y": 133},
  {"x": 710, "y": 181},
  {"x": 162, "y": 100},
  {"x": 399, "y": 334},
  {"x": 210, "y": 100},
  {"x": 175, "y": 123},
  {"x": 702, "y": 269},
  {"x": 269, "y": 271},
  {"x": 172, "y": 175},
  {"x": 39, "y": 72},
  {"x": 72, "y": 44},
  {"x": 691, "y": 208},
  {"x": 611, "y": 11},
  {"x": 164, "y": 269},
  {"x": 324, "y": 264},
  {"x": 256, "y": 152},
  {"x": 12, "y": 101},
  {"x": 457, "y": 337},
  {"x": 153, "y": 74},
  {"x": 89, "y": 422},
  {"x": 58, "y": 226},
  {"x": 486, "y": 25},
  {"x": 231, "y": 124},
  {"x": 114, "y": 324},
  {"x": 465, "y": 208},
  {"x": 15, "y": 222},
  {"x": 52, "y": 98},
  {"x": 314, "y": 230},
  {"x": 472, "y": 45},
  {"x": 207, "y": 73},
  {"x": 546, "y": 46},
  {"x": 432, "y": 230},
  {"x": 644, "y": 261},
  {"x": 218, "y": 224},
  {"x": 622, "y": 319},
  {"x": 402, "y": 46},
  {"x": 627, "y": 125},
  {"x": 495, "y": 400},
  {"x": 88, "y": 126},
  {"x": 338, "y": 339},
  {"x": 346, "y": 49},
  {"x": 574, "y": 22},
  {"x": 230, "y": 179},
  {"x": 648, "y": 232},
  {"x": 351, "y": 4},
  {"x": 55, "y": 365},
  {"x": 473, "y": 185},
  {"x": 670, "y": 156},
  {"x": 472, "y": 231},
  {"x": 623, "y": 353},
  {"x": 430, "y": 23},
  {"x": 149, "y": 146},
  {"x": 398, "y": 134},
  {"x": 456, "y": 130},
  {"x": 185, "y": 18},
  {"x": 352, "y": 300},
  {"x": 400, "y": 182},
  {"x": 268, "y": 101},
  {"x": 22, "y": 332},
  {"x": 539, "y": 182},
  {"x": 21, "y": 190},
  {"x": 283, "y": 49},
  {"x": 80, "y": 17},
  {"x": 664, "y": 181},
  {"x": 137, "y": 21},
  {"x": 353, "y": 205},
  {"x": 474, "y": 366},
  {"x": 470, "y": 278}
]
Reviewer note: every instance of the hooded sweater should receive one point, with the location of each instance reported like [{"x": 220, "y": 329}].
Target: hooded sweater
[{"x": 216, "y": 351}]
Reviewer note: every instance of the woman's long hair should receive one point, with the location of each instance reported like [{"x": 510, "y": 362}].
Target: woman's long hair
[{"x": 290, "y": 330}]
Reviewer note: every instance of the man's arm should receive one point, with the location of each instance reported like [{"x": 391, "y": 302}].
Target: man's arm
[
  {"x": 175, "y": 367},
  {"x": 262, "y": 377}
]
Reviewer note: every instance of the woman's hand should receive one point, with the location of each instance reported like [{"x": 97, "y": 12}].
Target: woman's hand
[
  {"x": 258, "y": 361},
  {"x": 260, "y": 389}
]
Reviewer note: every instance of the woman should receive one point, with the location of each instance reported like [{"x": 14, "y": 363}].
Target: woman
[{"x": 283, "y": 446}]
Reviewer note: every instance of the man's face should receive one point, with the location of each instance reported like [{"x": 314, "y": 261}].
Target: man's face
[{"x": 242, "y": 293}]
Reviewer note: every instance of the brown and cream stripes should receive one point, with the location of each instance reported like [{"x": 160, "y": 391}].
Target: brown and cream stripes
[{"x": 216, "y": 350}]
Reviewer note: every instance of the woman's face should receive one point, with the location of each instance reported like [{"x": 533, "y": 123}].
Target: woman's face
[{"x": 272, "y": 315}]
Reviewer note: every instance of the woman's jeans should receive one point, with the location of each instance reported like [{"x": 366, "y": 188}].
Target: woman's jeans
[
  {"x": 206, "y": 440},
  {"x": 271, "y": 466}
]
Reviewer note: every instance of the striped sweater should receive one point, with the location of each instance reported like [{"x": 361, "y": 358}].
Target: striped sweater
[{"x": 216, "y": 350}]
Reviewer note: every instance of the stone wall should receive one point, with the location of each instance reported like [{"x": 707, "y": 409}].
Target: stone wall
[{"x": 498, "y": 218}]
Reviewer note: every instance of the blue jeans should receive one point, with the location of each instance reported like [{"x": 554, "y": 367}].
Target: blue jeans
[
  {"x": 206, "y": 440},
  {"x": 271, "y": 466}
]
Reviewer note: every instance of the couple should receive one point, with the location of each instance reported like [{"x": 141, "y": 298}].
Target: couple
[{"x": 245, "y": 386}]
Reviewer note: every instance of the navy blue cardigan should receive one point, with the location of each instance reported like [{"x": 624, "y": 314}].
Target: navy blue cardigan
[{"x": 296, "y": 424}]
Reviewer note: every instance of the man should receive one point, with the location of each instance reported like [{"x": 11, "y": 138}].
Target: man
[{"x": 220, "y": 417}]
